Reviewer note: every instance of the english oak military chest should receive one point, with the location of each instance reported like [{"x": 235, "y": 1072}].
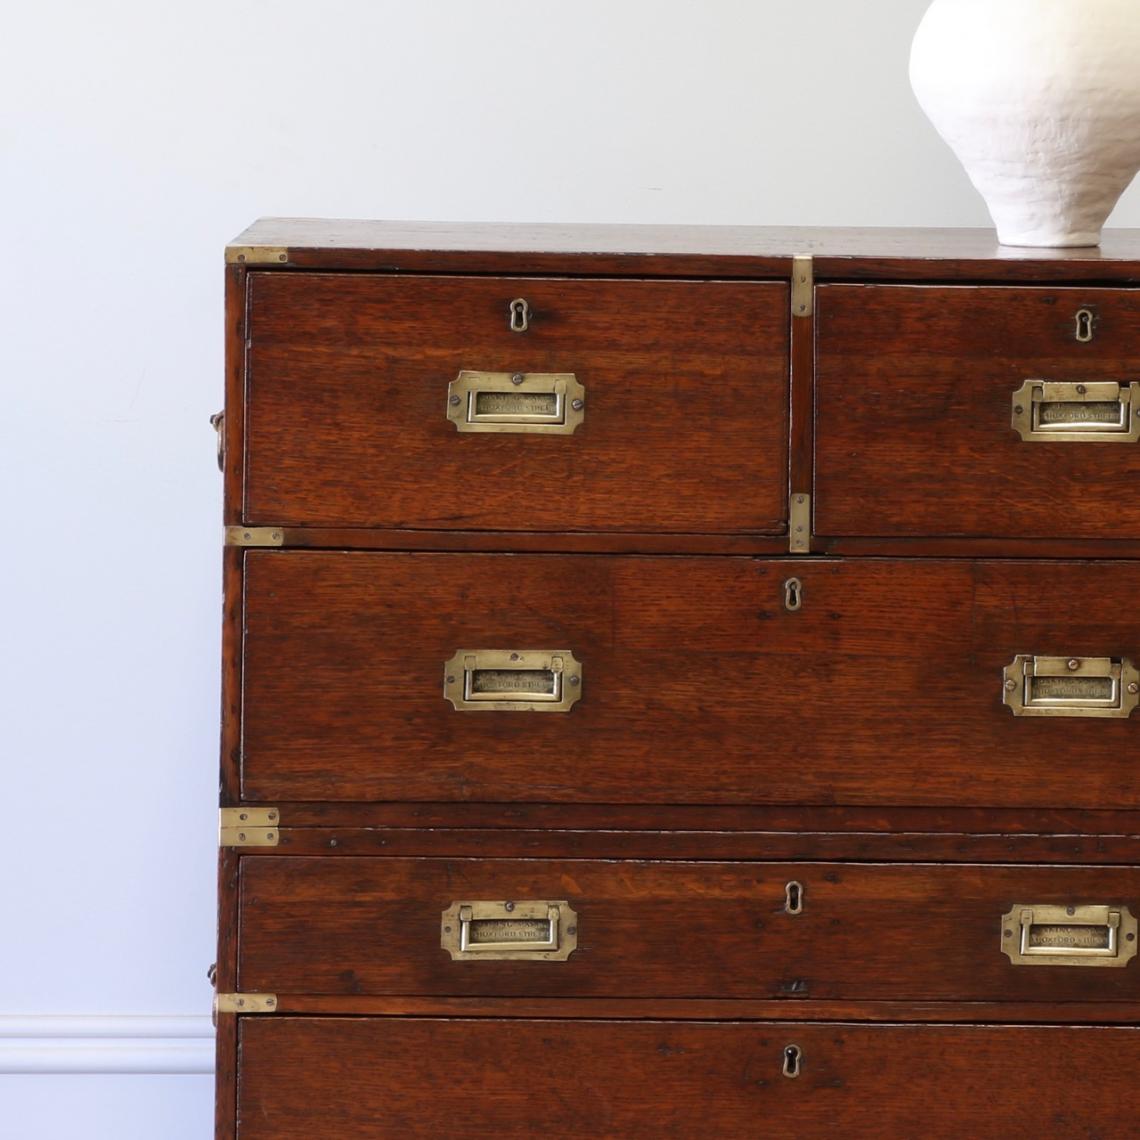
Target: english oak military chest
[{"x": 679, "y": 682}]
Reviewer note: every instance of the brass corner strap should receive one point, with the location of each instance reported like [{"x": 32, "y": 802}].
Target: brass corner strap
[
  {"x": 256, "y": 255},
  {"x": 803, "y": 287},
  {"x": 245, "y": 1003},
  {"x": 255, "y": 536},
  {"x": 249, "y": 827},
  {"x": 799, "y": 523}
]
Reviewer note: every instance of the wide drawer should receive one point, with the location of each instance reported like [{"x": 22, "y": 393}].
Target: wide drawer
[
  {"x": 623, "y": 929},
  {"x": 355, "y": 1078},
  {"x": 688, "y": 680},
  {"x": 981, "y": 412},
  {"x": 643, "y": 406}
]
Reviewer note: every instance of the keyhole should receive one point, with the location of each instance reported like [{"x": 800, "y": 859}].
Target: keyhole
[
  {"x": 794, "y": 898},
  {"x": 793, "y": 595},
  {"x": 1085, "y": 322},
  {"x": 793, "y": 1061},
  {"x": 520, "y": 315}
]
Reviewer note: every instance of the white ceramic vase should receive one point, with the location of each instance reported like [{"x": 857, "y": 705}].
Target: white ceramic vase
[{"x": 1040, "y": 100}]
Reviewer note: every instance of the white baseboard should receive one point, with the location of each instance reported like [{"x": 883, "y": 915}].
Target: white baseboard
[{"x": 116, "y": 1043}]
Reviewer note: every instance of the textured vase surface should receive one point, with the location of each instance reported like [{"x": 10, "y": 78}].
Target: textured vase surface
[{"x": 1040, "y": 100}]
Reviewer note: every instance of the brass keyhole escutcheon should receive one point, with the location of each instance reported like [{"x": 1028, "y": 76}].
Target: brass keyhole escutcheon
[
  {"x": 793, "y": 1061},
  {"x": 793, "y": 595},
  {"x": 794, "y": 898},
  {"x": 1086, "y": 325},
  {"x": 520, "y": 315}
]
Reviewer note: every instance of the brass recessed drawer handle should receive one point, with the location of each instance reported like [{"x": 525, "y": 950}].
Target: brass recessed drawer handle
[
  {"x": 1049, "y": 411},
  {"x": 1033, "y": 935},
  {"x": 509, "y": 931},
  {"x": 535, "y": 403},
  {"x": 513, "y": 680},
  {"x": 1071, "y": 686}
]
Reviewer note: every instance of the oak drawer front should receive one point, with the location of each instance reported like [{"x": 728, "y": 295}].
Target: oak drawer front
[
  {"x": 682, "y": 387},
  {"x": 917, "y": 389},
  {"x": 355, "y": 1078},
  {"x": 376, "y": 926},
  {"x": 691, "y": 680}
]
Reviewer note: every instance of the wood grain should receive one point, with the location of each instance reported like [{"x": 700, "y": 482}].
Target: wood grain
[
  {"x": 724, "y": 1009},
  {"x": 705, "y": 1009},
  {"x": 686, "y": 418},
  {"x": 951, "y": 821},
  {"x": 670, "y": 251},
  {"x": 698, "y": 687},
  {"x": 371, "y": 927},
  {"x": 914, "y": 390},
  {"x": 233, "y": 434},
  {"x": 353, "y": 1078},
  {"x": 551, "y": 842}
]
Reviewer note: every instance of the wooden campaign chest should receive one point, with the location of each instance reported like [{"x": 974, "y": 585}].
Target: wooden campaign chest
[{"x": 679, "y": 682}]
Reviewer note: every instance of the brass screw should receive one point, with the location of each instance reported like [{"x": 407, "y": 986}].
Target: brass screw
[
  {"x": 1074, "y": 664},
  {"x": 1133, "y": 687},
  {"x": 1081, "y": 389},
  {"x": 1018, "y": 409},
  {"x": 517, "y": 378},
  {"x": 453, "y": 401},
  {"x": 574, "y": 680},
  {"x": 1011, "y": 684},
  {"x": 577, "y": 405},
  {"x": 508, "y": 907}
]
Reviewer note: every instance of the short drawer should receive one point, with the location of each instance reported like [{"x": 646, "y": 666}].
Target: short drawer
[
  {"x": 354, "y": 1078},
  {"x": 979, "y": 412},
  {"x": 549, "y": 679},
  {"x": 370, "y": 927},
  {"x": 438, "y": 402}
]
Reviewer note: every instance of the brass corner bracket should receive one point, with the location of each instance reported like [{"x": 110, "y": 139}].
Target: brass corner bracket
[
  {"x": 803, "y": 287},
  {"x": 245, "y": 1003},
  {"x": 799, "y": 523},
  {"x": 256, "y": 255},
  {"x": 255, "y": 536},
  {"x": 249, "y": 827}
]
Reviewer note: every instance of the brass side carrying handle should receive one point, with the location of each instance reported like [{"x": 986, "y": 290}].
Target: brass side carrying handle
[
  {"x": 513, "y": 680},
  {"x": 533, "y": 403},
  {"x": 1049, "y": 411},
  {"x": 536, "y": 931},
  {"x": 1035, "y": 935},
  {"x": 1071, "y": 686}
]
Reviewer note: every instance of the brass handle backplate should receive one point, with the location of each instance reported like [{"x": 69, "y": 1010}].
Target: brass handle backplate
[
  {"x": 1071, "y": 686},
  {"x": 1034, "y": 935},
  {"x": 513, "y": 680},
  {"x": 542, "y": 403},
  {"x": 1048, "y": 411},
  {"x": 509, "y": 931}
]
